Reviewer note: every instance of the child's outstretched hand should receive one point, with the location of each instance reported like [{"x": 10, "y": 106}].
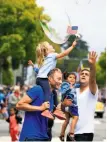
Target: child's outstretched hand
[
  {"x": 74, "y": 43},
  {"x": 31, "y": 63}
]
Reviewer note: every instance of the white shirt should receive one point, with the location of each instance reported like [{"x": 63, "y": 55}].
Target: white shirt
[
  {"x": 86, "y": 107},
  {"x": 49, "y": 64}
]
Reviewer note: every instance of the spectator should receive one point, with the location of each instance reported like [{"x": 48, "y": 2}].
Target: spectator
[{"x": 87, "y": 96}]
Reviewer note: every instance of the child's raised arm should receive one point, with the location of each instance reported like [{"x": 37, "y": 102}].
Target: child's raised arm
[
  {"x": 67, "y": 51},
  {"x": 31, "y": 63},
  {"x": 34, "y": 68}
]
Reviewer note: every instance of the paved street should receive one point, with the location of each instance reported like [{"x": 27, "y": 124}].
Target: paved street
[{"x": 100, "y": 130}]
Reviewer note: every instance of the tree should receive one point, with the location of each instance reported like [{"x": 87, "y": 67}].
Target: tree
[
  {"x": 20, "y": 29},
  {"x": 101, "y": 70},
  {"x": 81, "y": 49},
  {"x": 8, "y": 78}
]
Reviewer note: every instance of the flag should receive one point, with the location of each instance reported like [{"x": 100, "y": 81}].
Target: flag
[{"x": 72, "y": 30}]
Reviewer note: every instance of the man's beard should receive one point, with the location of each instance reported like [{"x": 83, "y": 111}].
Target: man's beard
[
  {"x": 84, "y": 84},
  {"x": 54, "y": 86}
]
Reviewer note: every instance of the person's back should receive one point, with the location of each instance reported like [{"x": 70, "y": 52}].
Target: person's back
[{"x": 35, "y": 125}]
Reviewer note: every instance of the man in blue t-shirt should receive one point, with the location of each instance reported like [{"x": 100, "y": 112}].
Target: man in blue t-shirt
[{"x": 35, "y": 125}]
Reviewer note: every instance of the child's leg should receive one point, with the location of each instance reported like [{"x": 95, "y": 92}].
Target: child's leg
[
  {"x": 13, "y": 135},
  {"x": 73, "y": 124},
  {"x": 43, "y": 82},
  {"x": 64, "y": 125},
  {"x": 74, "y": 112},
  {"x": 70, "y": 135}
]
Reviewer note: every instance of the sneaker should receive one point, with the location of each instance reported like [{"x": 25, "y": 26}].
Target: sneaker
[
  {"x": 59, "y": 114},
  {"x": 48, "y": 114},
  {"x": 61, "y": 137}
]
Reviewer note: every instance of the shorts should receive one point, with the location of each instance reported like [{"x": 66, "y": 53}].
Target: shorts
[{"x": 73, "y": 110}]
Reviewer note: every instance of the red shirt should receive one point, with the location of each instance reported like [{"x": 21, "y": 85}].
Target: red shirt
[{"x": 13, "y": 122}]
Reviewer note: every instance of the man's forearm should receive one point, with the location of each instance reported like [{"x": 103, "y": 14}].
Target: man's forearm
[
  {"x": 92, "y": 80},
  {"x": 92, "y": 72},
  {"x": 28, "y": 107}
]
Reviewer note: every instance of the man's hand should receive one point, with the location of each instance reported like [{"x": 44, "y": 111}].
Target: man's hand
[
  {"x": 45, "y": 105},
  {"x": 67, "y": 102},
  {"x": 92, "y": 80},
  {"x": 92, "y": 57}
]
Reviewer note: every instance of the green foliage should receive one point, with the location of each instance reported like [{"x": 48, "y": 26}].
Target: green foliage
[
  {"x": 15, "y": 62},
  {"x": 102, "y": 60},
  {"x": 80, "y": 51},
  {"x": 101, "y": 70},
  {"x": 20, "y": 30},
  {"x": 8, "y": 78}
]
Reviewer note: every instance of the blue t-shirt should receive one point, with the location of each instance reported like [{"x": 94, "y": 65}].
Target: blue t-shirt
[
  {"x": 35, "y": 125},
  {"x": 49, "y": 64}
]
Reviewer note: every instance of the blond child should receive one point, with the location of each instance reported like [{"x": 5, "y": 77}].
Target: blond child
[{"x": 47, "y": 60}]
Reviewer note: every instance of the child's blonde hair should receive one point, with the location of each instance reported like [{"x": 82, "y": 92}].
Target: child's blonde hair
[{"x": 41, "y": 52}]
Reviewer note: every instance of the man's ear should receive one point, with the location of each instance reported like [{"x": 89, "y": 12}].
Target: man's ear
[{"x": 49, "y": 78}]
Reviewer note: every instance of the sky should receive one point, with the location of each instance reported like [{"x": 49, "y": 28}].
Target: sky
[{"x": 89, "y": 17}]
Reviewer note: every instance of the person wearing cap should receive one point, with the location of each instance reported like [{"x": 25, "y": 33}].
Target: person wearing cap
[{"x": 87, "y": 96}]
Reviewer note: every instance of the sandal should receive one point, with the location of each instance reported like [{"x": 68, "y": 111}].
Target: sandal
[
  {"x": 71, "y": 137},
  {"x": 61, "y": 137}
]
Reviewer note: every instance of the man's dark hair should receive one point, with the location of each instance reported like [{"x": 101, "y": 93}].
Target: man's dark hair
[
  {"x": 53, "y": 71},
  {"x": 85, "y": 69},
  {"x": 66, "y": 74}
]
